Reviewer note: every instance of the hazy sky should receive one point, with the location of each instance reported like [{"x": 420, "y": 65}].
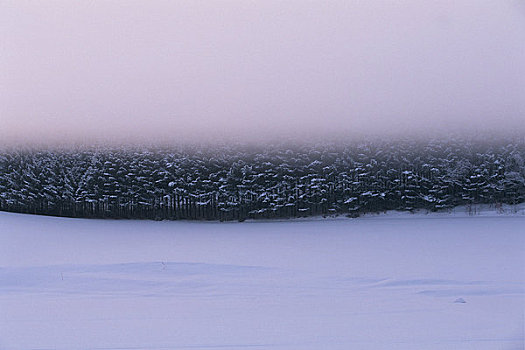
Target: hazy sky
[{"x": 128, "y": 70}]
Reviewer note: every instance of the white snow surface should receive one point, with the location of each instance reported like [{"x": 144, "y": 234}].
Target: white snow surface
[{"x": 378, "y": 282}]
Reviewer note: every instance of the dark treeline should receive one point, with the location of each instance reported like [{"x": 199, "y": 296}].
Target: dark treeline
[{"x": 235, "y": 183}]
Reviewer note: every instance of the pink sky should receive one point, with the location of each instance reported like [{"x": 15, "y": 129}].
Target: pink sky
[{"x": 161, "y": 70}]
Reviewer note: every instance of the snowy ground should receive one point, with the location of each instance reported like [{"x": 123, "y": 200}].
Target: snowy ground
[{"x": 386, "y": 282}]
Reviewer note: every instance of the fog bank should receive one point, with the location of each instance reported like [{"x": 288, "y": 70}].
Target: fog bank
[{"x": 135, "y": 71}]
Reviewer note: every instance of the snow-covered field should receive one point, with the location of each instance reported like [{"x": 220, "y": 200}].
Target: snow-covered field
[{"x": 385, "y": 282}]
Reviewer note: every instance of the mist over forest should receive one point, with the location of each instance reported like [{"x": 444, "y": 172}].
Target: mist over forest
[{"x": 233, "y": 110}]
